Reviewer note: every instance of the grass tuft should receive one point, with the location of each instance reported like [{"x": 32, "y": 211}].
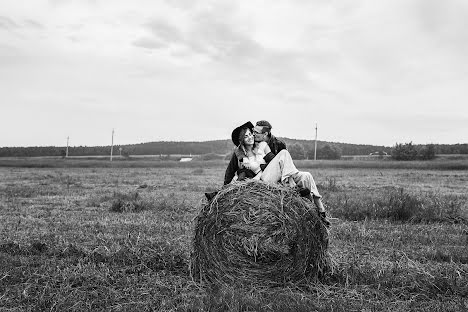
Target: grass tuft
[
  {"x": 128, "y": 202},
  {"x": 134, "y": 202},
  {"x": 402, "y": 206},
  {"x": 330, "y": 185},
  {"x": 198, "y": 171}
]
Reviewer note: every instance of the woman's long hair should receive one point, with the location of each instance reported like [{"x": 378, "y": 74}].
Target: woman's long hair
[{"x": 241, "y": 139}]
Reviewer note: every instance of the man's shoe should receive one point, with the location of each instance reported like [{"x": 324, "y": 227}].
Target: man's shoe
[
  {"x": 304, "y": 192},
  {"x": 323, "y": 217}
]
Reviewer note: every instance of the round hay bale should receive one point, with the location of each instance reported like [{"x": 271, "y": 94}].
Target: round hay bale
[{"x": 253, "y": 232}]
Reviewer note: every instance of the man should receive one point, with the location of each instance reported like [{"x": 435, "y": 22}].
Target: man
[{"x": 304, "y": 180}]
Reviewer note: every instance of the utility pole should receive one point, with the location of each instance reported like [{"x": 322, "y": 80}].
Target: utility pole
[
  {"x": 112, "y": 144},
  {"x": 66, "y": 153},
  {"x": 315, "y": 149}
]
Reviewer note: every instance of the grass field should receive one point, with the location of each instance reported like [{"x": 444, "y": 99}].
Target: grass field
[{"x": 399, "y": 239}]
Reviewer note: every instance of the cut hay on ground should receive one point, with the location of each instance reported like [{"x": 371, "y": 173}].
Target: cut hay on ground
[{"x": 253, "y": 232}]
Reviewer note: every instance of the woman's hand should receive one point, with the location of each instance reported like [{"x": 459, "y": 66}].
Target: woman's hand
[{"x": 254, "y": 166}]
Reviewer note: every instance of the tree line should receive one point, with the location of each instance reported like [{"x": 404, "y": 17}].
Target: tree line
[
  {"x": 400, "y": 151},
  {"x": 299, "y": 149}
]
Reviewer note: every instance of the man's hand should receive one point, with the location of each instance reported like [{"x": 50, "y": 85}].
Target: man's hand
[{"x": 268, "y": 157}]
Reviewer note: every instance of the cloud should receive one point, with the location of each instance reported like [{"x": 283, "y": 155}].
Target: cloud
[
  {"x": 221, "y": 41},
  {"x": 7, "y": 23},
  {"x": 210, "y": 30},
  {"x": 164, "y": 31},
  {"x": 33, "y": 23},
  {"x": 217, "y": 42},
  {"x": 182, "y": 4},
  {"x": 227, "y": 48},
  {"x": 58, "y": 3},
  {"x": 149, "y": 43}
]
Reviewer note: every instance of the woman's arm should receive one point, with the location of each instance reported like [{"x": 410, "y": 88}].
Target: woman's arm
[{"x": 231, "y": 169}]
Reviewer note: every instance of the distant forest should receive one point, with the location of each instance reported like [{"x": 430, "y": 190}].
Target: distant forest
[{"x": 219, "y": 147}]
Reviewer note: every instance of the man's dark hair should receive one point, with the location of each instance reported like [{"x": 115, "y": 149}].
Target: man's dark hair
[{"x": 266, "y": 126}]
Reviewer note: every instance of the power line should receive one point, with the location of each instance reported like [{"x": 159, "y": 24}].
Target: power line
[
  {"x": 315, "y": 149},
  {"x": 112, "y": 144}
]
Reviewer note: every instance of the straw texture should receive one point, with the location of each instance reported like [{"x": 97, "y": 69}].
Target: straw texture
[{"x": 253, "y": 232}]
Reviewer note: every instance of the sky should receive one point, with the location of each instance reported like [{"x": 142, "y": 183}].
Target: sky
[{"x": 364, "y": 71}]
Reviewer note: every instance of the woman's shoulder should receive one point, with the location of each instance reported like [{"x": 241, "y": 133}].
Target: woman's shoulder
[{"x": 263, "y": 146}]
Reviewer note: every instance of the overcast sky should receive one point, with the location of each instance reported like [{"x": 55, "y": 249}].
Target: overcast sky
[{"x": 368, "y": 72}]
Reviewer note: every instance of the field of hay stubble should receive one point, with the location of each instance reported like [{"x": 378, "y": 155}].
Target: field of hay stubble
[{"x": 119, "y": 239}]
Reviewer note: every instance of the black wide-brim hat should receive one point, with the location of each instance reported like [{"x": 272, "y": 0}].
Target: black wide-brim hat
[{"x": 236, "y": 132}]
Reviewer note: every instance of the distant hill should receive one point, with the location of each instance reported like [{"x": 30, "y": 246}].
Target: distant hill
[{"x": 220, "y": 147}]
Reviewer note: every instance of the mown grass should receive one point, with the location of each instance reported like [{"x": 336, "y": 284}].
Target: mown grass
[
  {"x": 446, "y": 164},
  {"x": 39, "y": 162},
  {"x": 451, "y": 163},
  {"x": 67, "y": 243}
]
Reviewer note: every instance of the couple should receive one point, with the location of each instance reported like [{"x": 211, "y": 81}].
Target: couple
[{"x": 260, "y": 155}]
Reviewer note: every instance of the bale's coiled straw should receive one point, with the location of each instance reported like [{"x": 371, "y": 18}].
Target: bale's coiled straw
[{"x": 253, "y": 232}]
